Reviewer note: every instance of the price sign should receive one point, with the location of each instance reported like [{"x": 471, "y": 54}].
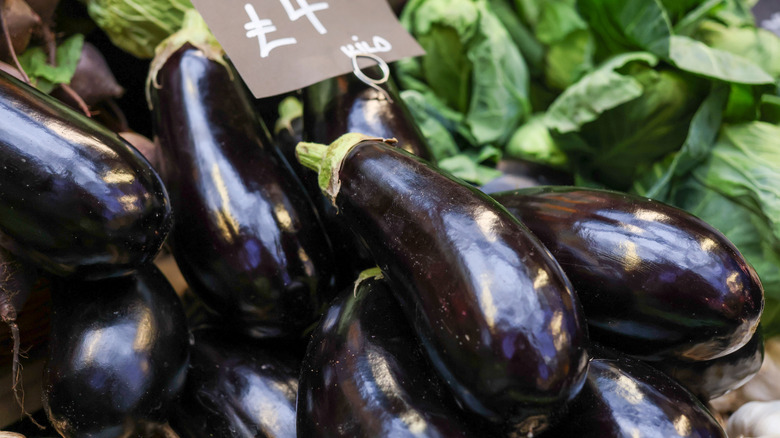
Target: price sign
[
  {"x": 283, "y": 45},
  {"x": 767, "y": 13}
]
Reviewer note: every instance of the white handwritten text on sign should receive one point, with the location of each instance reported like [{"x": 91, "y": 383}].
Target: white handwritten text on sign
[{"x": 282, "y": 45}]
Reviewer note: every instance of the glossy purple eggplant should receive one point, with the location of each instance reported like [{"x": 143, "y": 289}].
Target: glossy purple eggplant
[
  {"x": 236, "y": 388},
  {"x": 655, "y": 281},
  {"x": 117, "y": 355},
  {"x": 345, "y": 104},
  {"x": 365, "y": 375},
  {"x": 521, "y": 174},
  {"x": 75, "y": 199},
  {"x": 713, "y": 378},
  {"x": 247, "y": 238},
  {"x": 493, "y": 309},
  {"x": 624, "y": 397}
]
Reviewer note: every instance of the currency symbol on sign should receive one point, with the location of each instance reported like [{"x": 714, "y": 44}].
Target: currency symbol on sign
[{"x": 258, "y": 28}]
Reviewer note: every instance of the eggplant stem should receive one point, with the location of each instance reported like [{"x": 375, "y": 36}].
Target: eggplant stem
[{"x": 10, "y": 45}]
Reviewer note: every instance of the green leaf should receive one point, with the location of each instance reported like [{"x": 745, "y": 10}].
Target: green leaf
[
  {"x": 428, "y": 119},
  {"x": 138, "y": 26},
  {"x": 696, "y": 57},
  {"x": 470, "y": 64},
  {"x": 595, "y": 93},
  {"x": 531, "y": 49},
  {"x": 533, "y": 142},
  {"x": 45, "y": 76},
  {"x": 629, "y": 25},
  {"x": 464, "y": 167},
  {"x": 757, "y": 45},
  {"x": 770, "y": 108},
  {"x": 745, "y": 167},
  {"x": 700, "y": 139},
  {"x": 558, "y": 19},
  {"x": 688, "y": 24},
  {"x": 569, "y": 59}
]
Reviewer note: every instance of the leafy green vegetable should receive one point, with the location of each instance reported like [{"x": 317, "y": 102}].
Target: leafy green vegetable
[
  {"x": 45, "y": 76},
  {"x": 534, "y": 142},
  {"x": 599, "y": 91},
  {"x": 657, "y": 183},
  {"x": 471, "y": 65},
  {"x": 629, "y": 25},
  {"x": 696, "y": 57},
  {"x": 138, "y": 26},
  {"x": 758, "y": 45}
]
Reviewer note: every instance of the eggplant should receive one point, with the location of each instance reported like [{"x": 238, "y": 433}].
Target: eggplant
[
  {"x": 655, "y": 281},
  {"x": 117, "y": 356},
  {"x": 520, "y": 174},
  {"x": 624, "y": 397},
  {"x": 247, "y": 238},
  {"x": 236, "y": 388},
  {"x": 345, "y": 103},
  {"x": 75, "y": 199},
  {"x": 713, "y": 378},
  {"x": 492, "y": 308},
  {"x": 365, "y": 375}
]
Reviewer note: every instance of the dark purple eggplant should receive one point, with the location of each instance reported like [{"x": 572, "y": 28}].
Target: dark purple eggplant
[
  {"x": 493, "y": 309},
  {"x": 247, "y": 238},
  {"x": 75, "y": 199},
  {"x": 344, "y": 104},
  {"x": 624, "y": 397},
  {"x": 713, "y": 378},
  {"x": 236, "y": 388},
  {"x": 117, "y": 356},
  {"x": 655, "y": 281},
  {"x": 365, "y": 375},
  {"x": 521, "y": 174}
]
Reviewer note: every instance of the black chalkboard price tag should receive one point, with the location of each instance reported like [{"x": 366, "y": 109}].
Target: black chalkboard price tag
[{"x": 283, "y": 45}]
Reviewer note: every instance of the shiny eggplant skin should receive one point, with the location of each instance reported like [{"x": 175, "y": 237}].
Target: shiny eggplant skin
[
  {"x": 365, "y": 375},
  {"x": 75, "y": 199},
  {"x": 344, "y": 104},
  {"x": 624, "y": 397},
  {"x": 655, "y": 281},
  {"x": 117, "y": 356},
  {"x": 493, "y": 309},
  {"x": 236, "y": 388},
  {"x": 247, "y": 238},
  {"x": 713, "y": 378}
]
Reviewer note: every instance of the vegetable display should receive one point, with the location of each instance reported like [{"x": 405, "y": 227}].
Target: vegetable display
[
  {"x": 118, "y": 354},
  {"x": 493, "y": 309},
  {"x": 569, "y": 209},
  {"x": 227, "y": 381},
  {"x": 364, "y": 375},
  {"x": 246, "y": 237},
  {"x": 654, "y": 281},
  {"x": 77, "y": 199}
]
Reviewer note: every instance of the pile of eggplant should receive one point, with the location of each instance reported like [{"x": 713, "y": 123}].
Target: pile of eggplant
[{"x": 351, "y": 288}]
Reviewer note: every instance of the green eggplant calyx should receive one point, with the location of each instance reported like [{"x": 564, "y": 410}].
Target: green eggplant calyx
[
  {"x": 327, "y": 160},
  {"x": 194, "y": 31},
  {"x": 375, "y": 273}
]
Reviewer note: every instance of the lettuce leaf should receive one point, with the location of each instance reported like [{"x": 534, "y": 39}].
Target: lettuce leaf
[{"x": 471, "y": 65}]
